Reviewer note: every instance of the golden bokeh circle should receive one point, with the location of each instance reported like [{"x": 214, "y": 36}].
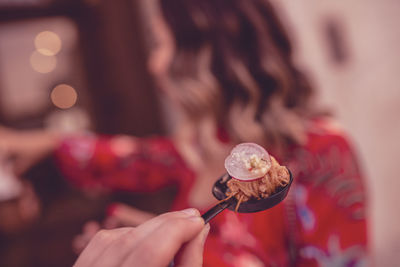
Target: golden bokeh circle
[
  {"x": 64, "y": 96},
  {"x": 42, "y": 63},
  {"x": 48, "y": 43}
]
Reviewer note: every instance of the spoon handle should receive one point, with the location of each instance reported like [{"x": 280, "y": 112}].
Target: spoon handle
[{"x": 214, "y": 211}]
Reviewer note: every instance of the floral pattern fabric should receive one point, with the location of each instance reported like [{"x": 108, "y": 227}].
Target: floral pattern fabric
[{"x": 322, "y": 222}]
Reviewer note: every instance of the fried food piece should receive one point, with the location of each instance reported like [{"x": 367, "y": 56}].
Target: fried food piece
[{"x": 277, "y": 176}]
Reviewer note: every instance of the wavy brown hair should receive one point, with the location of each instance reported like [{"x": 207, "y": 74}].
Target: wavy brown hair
[{"x": 233, "y": 60}]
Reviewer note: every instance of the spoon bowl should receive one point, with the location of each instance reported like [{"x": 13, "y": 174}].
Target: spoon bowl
[{"x": 252, "y": 205}]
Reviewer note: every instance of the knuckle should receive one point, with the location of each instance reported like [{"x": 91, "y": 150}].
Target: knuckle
[{"x": 126, "y": 241}]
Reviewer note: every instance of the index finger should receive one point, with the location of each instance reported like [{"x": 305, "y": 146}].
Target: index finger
[
  {"x": 159, "y": 247},
  {"x": 138, "y": 237}
]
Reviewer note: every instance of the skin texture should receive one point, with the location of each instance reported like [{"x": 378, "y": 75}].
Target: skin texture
[{"x": 180, "y": 235}]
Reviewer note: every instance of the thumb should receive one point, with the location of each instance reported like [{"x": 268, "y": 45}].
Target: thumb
[{"x": 191, "y": 254}]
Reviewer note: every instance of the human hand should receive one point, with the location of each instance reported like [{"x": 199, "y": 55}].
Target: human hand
[{"x": 152, "y": 244}]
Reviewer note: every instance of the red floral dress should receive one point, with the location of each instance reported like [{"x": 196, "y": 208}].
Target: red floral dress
[{"x": 322, "y": 222}]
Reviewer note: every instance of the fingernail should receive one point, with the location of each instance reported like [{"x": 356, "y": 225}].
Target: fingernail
[
  {"x": 191, "y": 212},
  {"x": 206, "y": 231}
]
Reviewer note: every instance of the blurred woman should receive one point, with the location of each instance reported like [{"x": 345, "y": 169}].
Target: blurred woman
[{"x": 228, "y": 67}]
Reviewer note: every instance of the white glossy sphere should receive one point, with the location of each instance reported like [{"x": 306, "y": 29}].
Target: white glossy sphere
[{"x": 237, "y": 164}]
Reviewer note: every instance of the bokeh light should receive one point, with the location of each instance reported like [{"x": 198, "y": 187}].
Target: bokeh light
[
  {"x": 42, "y": 63},
  {"x": 48, "y": 43},
  {"x": 64, "y": 96}
]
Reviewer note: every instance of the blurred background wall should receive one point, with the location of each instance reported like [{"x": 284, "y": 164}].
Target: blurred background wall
[
  {"x": 351, "y": 50},
  {"x": 72, "y": 65},
  {"x": 81, "y": 64}
]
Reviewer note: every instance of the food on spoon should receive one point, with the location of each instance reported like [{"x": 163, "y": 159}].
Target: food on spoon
[{"x": 255, "y": 174}]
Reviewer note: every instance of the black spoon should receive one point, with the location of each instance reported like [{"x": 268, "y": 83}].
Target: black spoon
[{"x": 253, "y": 205}]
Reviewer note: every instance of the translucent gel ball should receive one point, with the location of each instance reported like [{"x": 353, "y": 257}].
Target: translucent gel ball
[{"x": 248, "y": 161}]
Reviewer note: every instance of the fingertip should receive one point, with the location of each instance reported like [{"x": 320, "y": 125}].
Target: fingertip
[
  {"x": 206, "y": 231},
  {"x": 186, "y": 227},
  {"x": 191, "y": 254},
  {"x": 196, "y": 219}
]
